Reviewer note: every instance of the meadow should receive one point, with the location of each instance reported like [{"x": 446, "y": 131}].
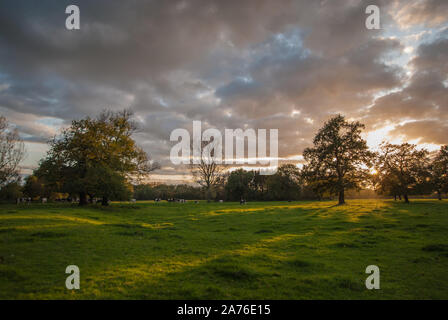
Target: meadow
[{"x": 270, "y": 250}]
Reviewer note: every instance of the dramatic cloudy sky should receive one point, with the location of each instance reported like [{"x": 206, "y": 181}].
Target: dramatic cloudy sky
[{"x": 231, "y": 64}]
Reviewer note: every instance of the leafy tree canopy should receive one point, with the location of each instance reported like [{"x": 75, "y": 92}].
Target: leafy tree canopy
[
  {"x": 339, "y": 159},
  {"x": 96, "y": 156},
  {"x": 402, "y": 168}
]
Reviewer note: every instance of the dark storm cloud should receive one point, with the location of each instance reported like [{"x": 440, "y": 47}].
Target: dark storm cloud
[{"x": 232, "y": 64}]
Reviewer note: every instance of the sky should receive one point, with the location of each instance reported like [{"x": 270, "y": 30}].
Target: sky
[{"x": 283, "y": 64}]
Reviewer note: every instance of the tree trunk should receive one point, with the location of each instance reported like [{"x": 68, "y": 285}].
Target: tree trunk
[
  {"x": 406, "y": 199},
  {"x": 105, "y": 201},
  {"x": 82, "y": 199},
  {"x": 341, "y": 197},
  {"x": 208, "y": 193},
  {"x": 439, "y": 195},
  {"x": 399, "y": 197},
  {"x": 395, "y": 197}
]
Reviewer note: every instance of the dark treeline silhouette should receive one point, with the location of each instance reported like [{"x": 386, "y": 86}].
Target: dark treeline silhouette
[
  {"x": 340, "y": 161},
  {"x": 95, "y": 159},
  {"x": 165, "y": 192},
  {"x": 239, "y": 184}
]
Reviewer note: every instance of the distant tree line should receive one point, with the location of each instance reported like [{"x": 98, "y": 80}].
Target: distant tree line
[
  {"x": 165, "y": 191},
  {"x": 234, "y": 186},
  {"x": 97, "y": 159},
  {"x": 94, "y": 158}
]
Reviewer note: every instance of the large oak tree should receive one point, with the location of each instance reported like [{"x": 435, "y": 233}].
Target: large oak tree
[
  {"x": 339, "y": 159},
  {"x": 96, "y": 157}
]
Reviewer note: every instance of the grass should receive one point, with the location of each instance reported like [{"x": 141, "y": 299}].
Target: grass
[{"x": 276, "y": 250}]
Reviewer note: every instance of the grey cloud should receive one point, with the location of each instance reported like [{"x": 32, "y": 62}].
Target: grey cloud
[
  {"x": 429, "y": 131},
  {"x": 428, "y": 12},
  {"x": 426, "y": 95}
]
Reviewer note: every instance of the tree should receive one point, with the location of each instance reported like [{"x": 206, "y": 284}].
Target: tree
[
  {"x": 11, "y": 191},
  {"x": 238, "y": 184},
  {"x": 144, "y": 192},
  {"x": 208, "y": 171},
  {"x": 285, "y": 183},
  {"x": 251, "y": 185},
  {"x": 96, "y": 156},
  {"x": 439, "y": 171},
  {"x": 12, "y": 152},
  {"x": 317, "y": 187},
  {"x": 105, "y": 183},
  {"x": 402, "y": 168},
  {"x": 260, "y": 185},
  {"x": 33, "y": 187},
  {"x": 339, "y": 159},
  {"x": 386, "y": 184}
]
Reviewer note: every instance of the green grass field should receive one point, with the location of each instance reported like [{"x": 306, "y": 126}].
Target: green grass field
[{"x": 276, "y": 250}]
